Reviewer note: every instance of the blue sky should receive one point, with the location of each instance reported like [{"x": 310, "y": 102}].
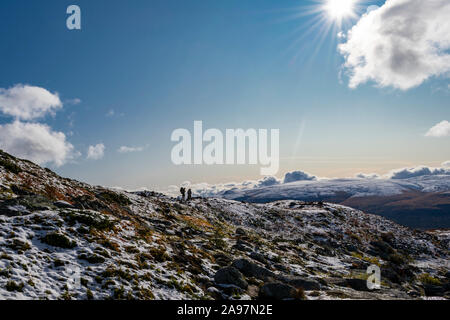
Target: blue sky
[{"x": 144, "y": 68}]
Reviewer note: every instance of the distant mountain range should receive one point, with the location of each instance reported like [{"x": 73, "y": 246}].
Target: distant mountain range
[{"x": 420, "y": 202}]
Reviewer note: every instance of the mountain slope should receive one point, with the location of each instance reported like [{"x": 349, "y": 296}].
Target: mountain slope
[
  {"x": 419, "y": 202},
  {"x": 63, "y": 239}
]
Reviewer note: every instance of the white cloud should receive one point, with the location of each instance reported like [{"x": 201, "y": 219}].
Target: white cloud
[
  {"x": 125, "y": 149},
  {"x": 25, "y": 102},
  {"x": 367, "y": 176},
  {"x": 442, "y": 129},
  {"x": 406, "y": 173},
  {"x": 341, "y": 35},
  {"x": 35, "y": 142},
  {"x": 446, "y": 164},
  {"x": 401, "y": 44},
  {"x": 96, "y": 152},
  {"x": 298, "y": 176},
  {"x": 267, "y": 182}
]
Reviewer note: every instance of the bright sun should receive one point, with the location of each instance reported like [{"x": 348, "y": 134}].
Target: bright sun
[{"x": 339, "y": 9}]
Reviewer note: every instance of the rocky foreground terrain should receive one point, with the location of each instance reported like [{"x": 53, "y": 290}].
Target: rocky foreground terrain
[{"x": 63, "y": 239}]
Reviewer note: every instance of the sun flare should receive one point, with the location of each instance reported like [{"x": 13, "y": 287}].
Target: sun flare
[{"x": 339, "y": 9}]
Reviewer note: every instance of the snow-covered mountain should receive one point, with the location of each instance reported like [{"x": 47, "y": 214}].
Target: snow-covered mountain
[
  {"x": 63, "y": 239},
  {"x": 421, "y": 201},
  {"x": 330, "y": 188}
]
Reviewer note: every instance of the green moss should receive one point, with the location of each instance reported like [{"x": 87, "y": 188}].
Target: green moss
[
  {"x": 142, "y": 259},
  {"x": 145, "y": 294},
  {"x": 89, "y": 219},
  {"x": 354, "y": 237},
  {"x": 5, "y": 256},
  {"x": 19, "y": 245},
  {"x": 277, "y": 259},
  {"x": 144, "y": 232},
  {"x": 108, "y": 283},
  {"x": 398, "y": 258},
  {"x": 66, "y": 295},
  {"x": 121, "y": 294},
  {"x": 58, "y": 240},
  {"x": 426, "y": 278},
  {"x": 131, "y": 249},
  {"x": 117, "y": 198},
  {"x": 159, "y": 254},
  {"x": 338, "y": 294},
  {"x": 371, "y": 260},
  {"x": 357, "y": 255},
  {"x": 10, "y": 166},
  {"x": 89, "y": 294},
  {"x": 58, "y": 263},
  {"x": 13, "y": 286},
  {"x": 120, "y": 273},
  {"x": 5, "y": 273},
  {"x": 217, "y": 240},
  {"x": 109, "y": 245},
  {"x": 92, "y": 258},
  {"x": 84, "y": 282},
  {"x": 102, "y": 252},
  {"x": 173, "y": 283}
]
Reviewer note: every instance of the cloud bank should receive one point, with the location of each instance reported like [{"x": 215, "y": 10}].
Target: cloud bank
[
  {"x": 25, "y": 102},
  {"x": 406, "y": 173},
  {"x": 367, "y": 176},
  {"x": 297, "y": 176},
  {"x": 35, "y": 142},
  {"x": 267, "y": 182},
  {"x": 401, "y": 44}
]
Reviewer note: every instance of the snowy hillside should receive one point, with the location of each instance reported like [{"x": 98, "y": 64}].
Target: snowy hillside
[{"x": 62, "y": 239}]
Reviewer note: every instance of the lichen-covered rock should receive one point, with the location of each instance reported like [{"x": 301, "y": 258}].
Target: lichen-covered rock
[
  {"x": 242, "y": 245},
  {"x": 24, "y": 205},
  {"x": 232, "y": 276},
  {"x": 305, "y": 284},
  {"x": 251, "y": 269},
  {"x": 277, "y": 291},
  {"x": 356, "y": 284}
]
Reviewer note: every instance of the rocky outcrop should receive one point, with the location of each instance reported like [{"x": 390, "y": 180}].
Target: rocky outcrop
[
  {"x": 251, "y": 269},
  {"x": 278, "y": 291},
  {"x": 230, "y": 275}
]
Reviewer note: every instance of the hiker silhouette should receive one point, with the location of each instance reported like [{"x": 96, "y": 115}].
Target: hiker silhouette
[
  {"x": 183, "y": 193},
  {"x": 189, "y": 195}
]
